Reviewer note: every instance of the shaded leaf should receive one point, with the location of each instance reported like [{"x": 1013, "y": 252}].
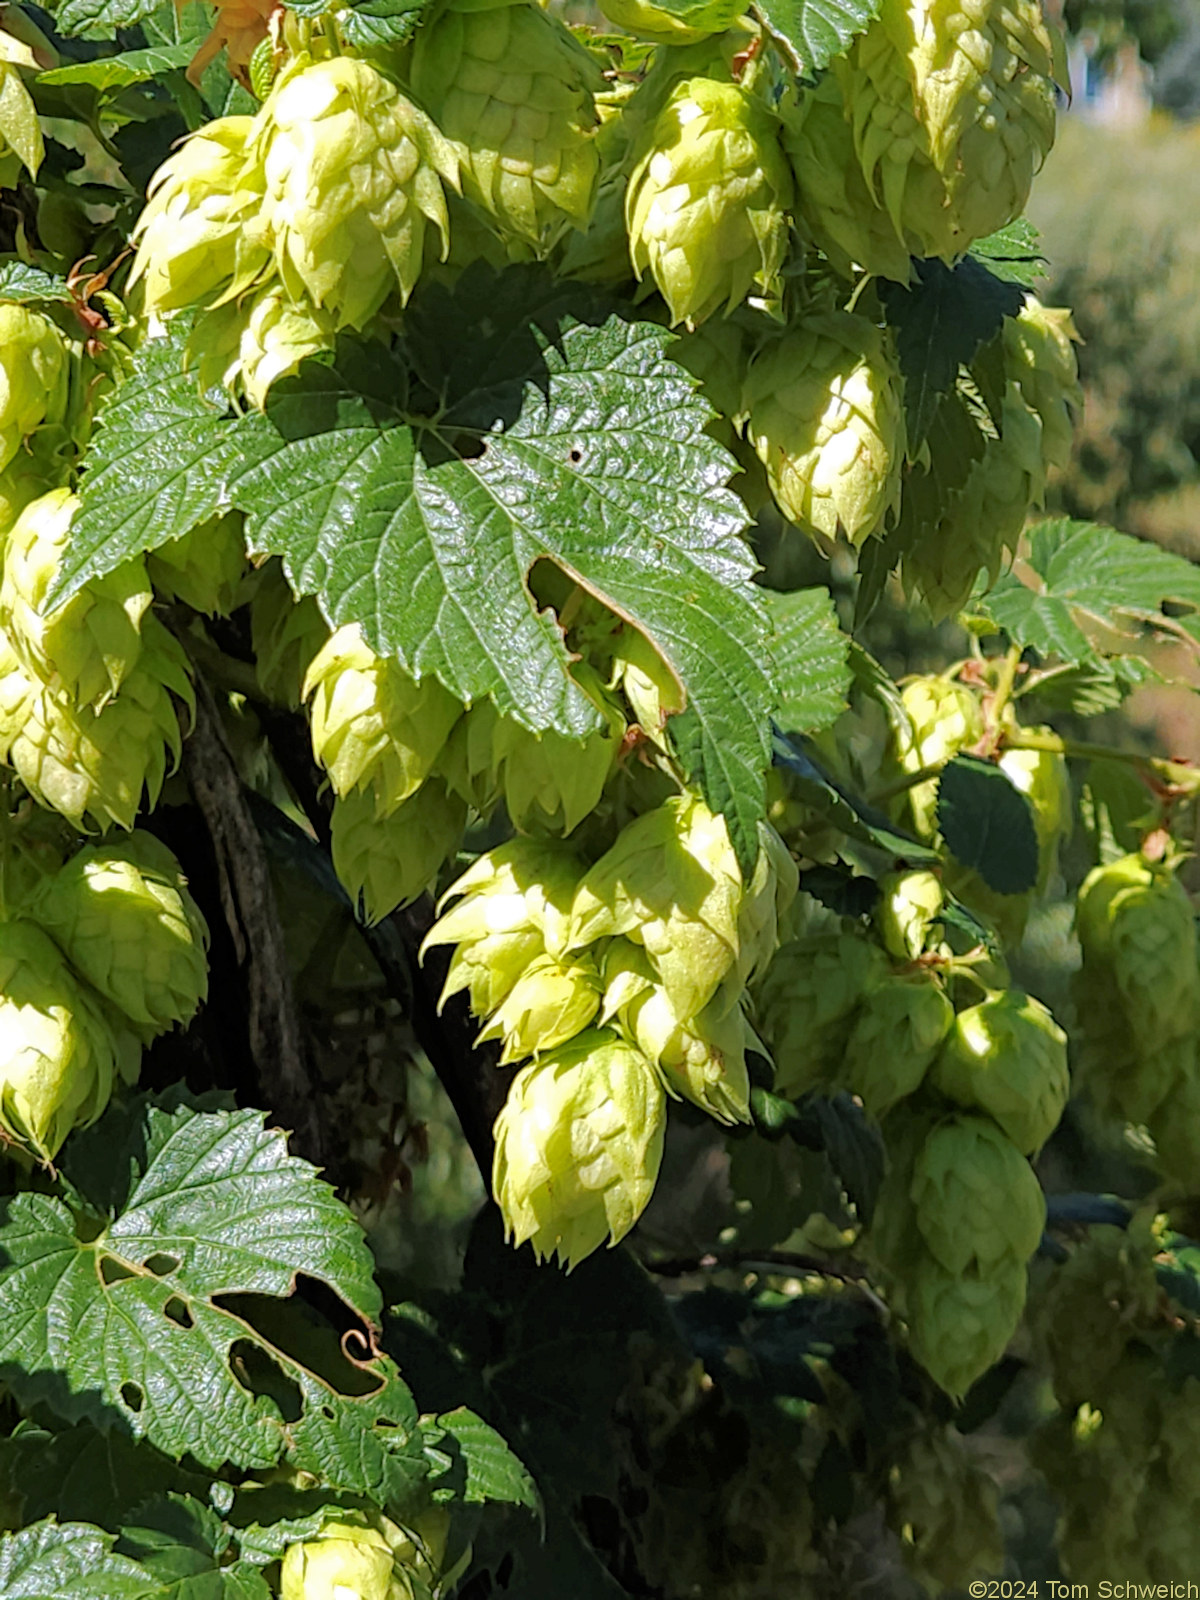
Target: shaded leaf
[
  {"x": 1013, "y": 253},
  {"x": 812, "y": 784},
  {"x": 475, "y": 1452},
  {"x": 987, "y": 824},
  {"x": 181, "y": 1543}
]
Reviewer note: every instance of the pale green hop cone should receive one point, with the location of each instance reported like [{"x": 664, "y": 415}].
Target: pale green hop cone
[
  {"x": 390, "y": 856},
  {"x": 551, "y": 1001},
  {"x": 897, "y": 1034},
  {"x": 1007, "y": 1056},
  {"x": 686, "y": 25},
  {"x": 960, "y": 1325},
  {"x": 513, "y": 91},
  {"x": 806, "y": 1006},
  {"x": 706, "y": 207},
  {"x": 286, "y": 633},
  {"x": 978, "y": 1204},
  {"x": 827, "y": 421},
  {"x": 347, "y": 1561},
  {"x": 578, "y": 1147},
  {"x": 204, "y": 568},
  {"x": 122, "y": 915},
  {"x": 945, "y": 718},
  {"x": 907, "y": 912},
  {"x": 33, "y": 375},
  {"x": 246, "y": 345}
]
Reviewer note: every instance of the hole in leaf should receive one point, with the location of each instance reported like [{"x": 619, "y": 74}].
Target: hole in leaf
[
  {"x": 308, "y": 1326},
  {"x": 177, "y": 1312},
  {"x": 112, "y": 1271},
  {"x": 576, "y": 455},
  {"x": 161, "y": 1265},
  {"x": 327, "y": 1412},
  {"x": 132, "y": 1396},
  {"x": 260, "y": 1374}
]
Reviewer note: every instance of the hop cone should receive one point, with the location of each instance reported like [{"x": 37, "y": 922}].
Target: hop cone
[
  {"x": 514, "y": 904},
  {"x": 706, "y": 207},
  {"x": 33, "y": 376},
  {"x": 807, "y": 1002},
  {"x": 246, "y": 345},
  {"x": 960, "y": 1324},
  {"x": 353, "y": 175},
  {"x": 765, "y": 904},
  {"x": 899, "y": 1030},
  {"x": 58, "y": 1054},
  {"x": 1039, "y": 357},
  {"x": 389, "y": 855},
  {"x": 550, "y": 782},
  {"x": 1174, "y": 1122},
  {"x": 653, "y": 691},
  {"x": 1125, "y": 1078},
  {"x": 827, "y": 422},
  {"x": 907, "y": 911},
  {"x": 198, "y": 238},
  {"x": 122, "y": 915},
  {"x": 670, "y": 883},
  {"x": 347, "y": 1561},
  {"x": 551, "y": 1001},
  {"x": 88, "y": 646},
  {"x": 942, "y": 1505},
  {"x": 703, "y": 1058},
  {"x": 952, "y": 113},
  {"x": 1135, "y": 924},
  {"x": 89, "y": 764},
  {"x": 578, "y": 1146},
  {"x": 512, "y": 89},
  {"x": 978, "y": 1204},
  {"x": 286, "y": 633},
  {"x": 945, "y": 718},
  {"x": 1007, "y": 1056},
  {"x": 833, "y": 199},
  {"x": 373, "y": 725},
  {"x": 205, "y": 567}
]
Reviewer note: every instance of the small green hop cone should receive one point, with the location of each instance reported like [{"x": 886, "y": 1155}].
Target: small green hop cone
[
  {"x": 1136, "y": 926},
  {"x": 977, "y": 1202},
  {"x": 910, "y": 904},
  {"x": 1007, "y": 1056},
  {"x": 671, "y": 883},
  {"x": 1174, "y": 1121},
  {"x": 204, "y": 568},
  {"x": 827, "y": 421},
  {"x": 513, "y": 905},
  {"x": 552, "y": 1000},
  {"x": 897, "y": 1034},
  {"x": 58, "y": 1054},
  {"x": 833, "y": 199},
  {"x": 197, "y": 238},
  {"x": 373, "y": 725},
  {"x": 388, "y": 856},
  {"x": 122, "y": 915},
  {"x": 89, "y": 645},
  {"x": 287, "y": 633},
  {"x": 513, "y": 91},
  {"x": 706, "y": 207},
  {"x": 959, "y": 1325},
  {"x": 945, "y": 718},
  {"x": 349, "y": 1560},
  {"x": 1039, "y": 358},
  {"x": 765, "y": 904},
  {"x": 247, "y": 344},
  {"x": 578, "y": 1147},
  {"x": 33, "y": 375},
  {"x": 806, "y": 1005}
]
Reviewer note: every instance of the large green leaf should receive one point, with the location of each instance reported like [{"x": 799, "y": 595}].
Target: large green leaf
[
  {"x": 474, "y": 1463},
  {"x": 814, "y": 31},
  {"x": 138, "y": 1306},
  {"x": 184, "y": 1546},
  {"x": 68, "y": 1561},
  {"x": 414, "y": 493},
  {"x": 941, "y": 320},
  {"x": 100, "y": 19},
  {"x": 119, "y": 71},
  {"x": 20, "y": 281},
  {"x": 1080, "y": 574},
  {"x": 811, "y": 655},
  {"x": 988, "y": 824}
]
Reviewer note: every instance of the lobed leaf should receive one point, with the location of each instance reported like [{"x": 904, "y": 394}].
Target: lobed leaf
[
  {"x": 119, "y": 71},
  {"x": 811, "y": 655},
  {"x": 68, "y": 1561},
  {"x": 814, "y": 31}
]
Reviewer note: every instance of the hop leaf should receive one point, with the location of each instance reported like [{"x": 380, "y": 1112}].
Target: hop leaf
[
  {"x": 827, "y": 421},
  {"x": 373, "y": 726},
  {"x": 352, "y": 172},
  {"x": 390, "y": 856},
  {"x": 513, "y": 91},
  {"x": 707, "y": 201},
  {"x": 58, "y": 1054},
  {"x": 33, "y": 370},
  {"x": 578, "y": 1146},
  {"x": 1007, "y": 1056},
  {"x": 122, "y": 915},
  {"x": 978, "y": 1205}
]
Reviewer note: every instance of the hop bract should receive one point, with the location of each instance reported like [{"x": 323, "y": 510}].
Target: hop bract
[
  {"x": 373, "y": 725},
  {"x": 389, "y": 855},
  {"x": 827, "y": 422},
  {"x": 196, "y": 237},
  {"x": 688, "y": 25},
  {"x": 512, "y": 90},
  {"x": 514, "y": 904},
  {"x": 89, "y": 645},
  {"x": 578, "y": 1146},
  {"x": 33, "y": 375},
  {"x": 353, "y": 177},
  {"x": 1007, "y": 1056},
  {"x": 706, "y": 207},
  {"x": 58, "y": 1054},
  {"x": 122, "y": 915},
  {"x": 953, "y": 112},
  {"x": 978, "y": 1203},
  {"x": 672, "y": 884}
]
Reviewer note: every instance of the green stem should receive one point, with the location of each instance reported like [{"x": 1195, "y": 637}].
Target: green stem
[
  {"x": 909, "y": 780},
  {"x": 1175, "y": 773},
  {"x": 1004, "y": 685}
]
